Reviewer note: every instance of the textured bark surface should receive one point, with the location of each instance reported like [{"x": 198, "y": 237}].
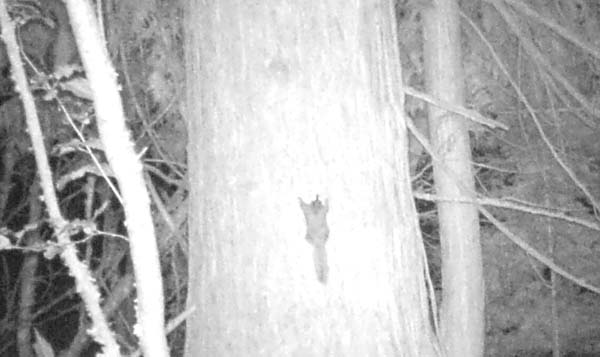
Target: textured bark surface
[{"x": 292, "y": 99}]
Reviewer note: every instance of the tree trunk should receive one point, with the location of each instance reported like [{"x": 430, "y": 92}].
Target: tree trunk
[
  {"x": 462, "y": 315},
  {"x": 27, "y": 278},
  {"x": 291, "y": 99},
  {"x": 127, "y": 170}
]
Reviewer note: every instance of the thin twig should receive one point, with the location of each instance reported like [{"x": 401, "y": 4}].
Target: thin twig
[
  {"x": 467, "y": 113},
  {"x": 559, "y": 29},
  {"x": 535, "y": 53},
  {"x": 499, "y": 203},
  {"x": 535, "y": 119},
  {"x": 520, "y": 242}
]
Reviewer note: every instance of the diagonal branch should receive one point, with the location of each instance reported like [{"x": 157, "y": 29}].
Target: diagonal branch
[
  {"x": 79, "y": 271},
  {"x": 127, "y": 169}
]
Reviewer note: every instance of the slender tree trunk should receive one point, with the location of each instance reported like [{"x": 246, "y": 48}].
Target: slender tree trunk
[
  {"x": 27, "y": 279},
  {"x": 290, "y": 99},
  {"x": 127, "y": 169},
  {"x": 8, "y": 165},
  {"x": 26, "y": 302},
  {"x": 462, "y": 315}
]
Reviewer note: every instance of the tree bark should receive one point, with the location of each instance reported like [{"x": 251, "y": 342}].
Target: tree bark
[
  {"x": 27, "y": 278},
  {"x": 127, "y": 169},
  {"x": 291, "y": 99},
  {"x": 462, "y": 309}
]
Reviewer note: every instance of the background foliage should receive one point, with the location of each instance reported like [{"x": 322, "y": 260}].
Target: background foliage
[{"x": 527, "y": 305}]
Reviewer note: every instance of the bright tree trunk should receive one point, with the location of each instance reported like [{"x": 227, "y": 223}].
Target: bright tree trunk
[
  {"x": 462, "y": 309},
  {"x": 290, "y": 99}
]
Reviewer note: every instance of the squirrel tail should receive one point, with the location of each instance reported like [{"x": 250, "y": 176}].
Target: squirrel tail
[{"x": 320, "y": 260}]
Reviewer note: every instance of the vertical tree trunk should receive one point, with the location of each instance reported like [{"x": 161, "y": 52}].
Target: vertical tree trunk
[
  {"x": 462, "y": 315},
  {"x": 27, "y": 279},
  {"x": 291, "y": 99}
]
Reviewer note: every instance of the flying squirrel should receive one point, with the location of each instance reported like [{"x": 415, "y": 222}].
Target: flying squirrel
[{"x": 317, "y": 233}]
